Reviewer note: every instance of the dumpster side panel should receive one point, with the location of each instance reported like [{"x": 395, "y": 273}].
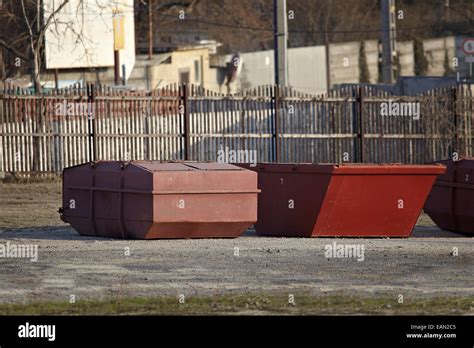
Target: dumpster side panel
[
  {"x": 439, "y": 207},
  {"x": 105, "y": 203},
  {"x": 463, "y": 218},
  {"x": 103, "y": 207},
  {"x": 137, "y": 208},
  {"x": 203, "y": 203},
  {"x": 149, "y": 199},
  {"x": 76, "y": 202},
  {"x": 289, "y": 203},
  {"x": 205, "y": 207},
  {"x": 462, "y": 196},
  {"x": 372, "y": 205},
  {"x": 196, "y": 230},
  {"x": 451, "y": 202},
  {"x": 310, "y": 200},
  {"x": 201, "y": 181},
  {"x": 118, "y": 213}
]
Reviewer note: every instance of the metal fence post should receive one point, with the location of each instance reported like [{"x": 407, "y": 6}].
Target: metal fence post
[
  {"x": 184, "y": 110},
  {"x": 361, "y": 128},
  {"x": 277, "y": 114},
  {"x": 91, "y": 122},
  {"x": 146, "y": 116},
  {"x": 469, "y": 107},
  {"x": 57, "y": 141},
  {"x": 455, "y": 144},
  {"x": 36, "y": 136}
]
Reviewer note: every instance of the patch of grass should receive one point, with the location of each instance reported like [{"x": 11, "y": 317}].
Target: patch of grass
[
  {"x": 270, "y": 304},
  {"x": 41, "y": 179},
  {"x": 30, "y": 204}
]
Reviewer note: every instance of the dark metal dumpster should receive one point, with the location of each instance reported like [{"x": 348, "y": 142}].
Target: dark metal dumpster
[
  {"x": 146, "y": 200},
  {"x": 451, "y": 201},
  {"x": 309, "y": 200}
]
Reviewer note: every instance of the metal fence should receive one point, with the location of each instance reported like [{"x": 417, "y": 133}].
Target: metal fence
[{"x": 45, "y": 133}]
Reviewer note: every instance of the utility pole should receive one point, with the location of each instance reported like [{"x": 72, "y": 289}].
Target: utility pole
[
  {"x": 328, "y": 62},
  {"x": 327, "y": 46},
  {"x": 446, "y": 10},
  {"x": 388, "y": 41},
  {"x": 281, "y": 39},
  {"x": 150, "y": 29},
  {"x": 116, "y": 67},
  {"x": 119, "y": 43}
]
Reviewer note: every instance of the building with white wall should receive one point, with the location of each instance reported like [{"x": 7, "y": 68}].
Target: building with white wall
[{"x": 81, "y": 35}]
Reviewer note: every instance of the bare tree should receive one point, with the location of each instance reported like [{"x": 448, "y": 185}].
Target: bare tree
[{"x": 30, "y": 31}]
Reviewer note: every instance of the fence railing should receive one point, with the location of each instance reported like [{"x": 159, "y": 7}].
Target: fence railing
[{"x": 45, "y": 133}]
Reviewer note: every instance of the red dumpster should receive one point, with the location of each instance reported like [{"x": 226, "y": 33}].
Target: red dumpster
[
  {"x": 145, "y": 200},
  {"x": 309, "y": 200},
  {"x": 451, "y": 201}
]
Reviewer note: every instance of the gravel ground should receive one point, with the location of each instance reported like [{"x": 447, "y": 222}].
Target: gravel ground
[{"x": 98, "y": 268}]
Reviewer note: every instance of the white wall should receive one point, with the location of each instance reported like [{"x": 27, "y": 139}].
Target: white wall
[
  {"x": 92, "y": 21},
  {"x": 306, "y": 69},
  {"x": 344, "y": 62},
  {"x": 435, "y": 52},
  {"x": 257, "y": 69}
]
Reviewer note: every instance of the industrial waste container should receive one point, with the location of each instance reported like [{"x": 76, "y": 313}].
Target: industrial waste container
[
  {"x": 149, "y": 199},
  {"x": 311, "y": 200},
  {"x": 451, "y": 201}
]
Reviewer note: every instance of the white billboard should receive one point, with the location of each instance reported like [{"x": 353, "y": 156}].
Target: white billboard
[{"x": 81, "y": 34}]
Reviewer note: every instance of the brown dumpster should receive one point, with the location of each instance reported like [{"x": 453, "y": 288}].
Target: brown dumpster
[
  {"x": 146, "y": 199},
  {"x": 451, "y": 201},
  {"x": 350, "y": 200}
]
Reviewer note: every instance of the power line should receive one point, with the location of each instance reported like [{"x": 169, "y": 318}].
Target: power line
[
  {"x": 293, "y": 31},
  {"x": 188, "y": 19},
  {"x": 201, "y": 21}
]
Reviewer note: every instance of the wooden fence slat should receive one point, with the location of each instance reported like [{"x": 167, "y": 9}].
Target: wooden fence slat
[{"x": 278, "y": 122}]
